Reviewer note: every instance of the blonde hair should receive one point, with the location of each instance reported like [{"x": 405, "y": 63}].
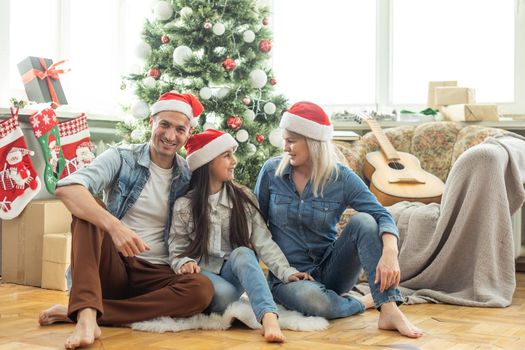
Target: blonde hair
[{"x": 324, "y": 163}]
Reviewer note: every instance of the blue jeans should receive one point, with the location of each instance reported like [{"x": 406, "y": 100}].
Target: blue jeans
[
  {"x": 241, "y": 272},
  {"x": 358, "y": 246}
]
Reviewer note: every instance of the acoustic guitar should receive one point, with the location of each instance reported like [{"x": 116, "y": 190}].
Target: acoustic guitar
[{"x": 397, "y": 176}]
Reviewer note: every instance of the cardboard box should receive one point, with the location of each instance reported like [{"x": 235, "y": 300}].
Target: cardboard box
[
  {"x": 56, "y": 256},
  {"x": 432, "y": 85},
  {"x": 22, "y": 239},
  {"x": 41, "y": 80},
  {"x": 453, "y": 95},
  {"x": 470, "y": 112}
]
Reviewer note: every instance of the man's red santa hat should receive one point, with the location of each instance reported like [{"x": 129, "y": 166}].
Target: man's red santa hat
[
  {"x": 187, "y": 104},
  {"x": 204, "y": 147}
]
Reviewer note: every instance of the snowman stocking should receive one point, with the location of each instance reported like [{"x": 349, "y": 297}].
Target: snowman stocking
[
  {"x": 45, "y": 127},
  {"x": 19, "y": 182},
  {"x": 76, "y": 146}
]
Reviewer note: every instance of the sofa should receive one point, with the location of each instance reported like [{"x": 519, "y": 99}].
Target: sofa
[{"x": 437, "y": 145}]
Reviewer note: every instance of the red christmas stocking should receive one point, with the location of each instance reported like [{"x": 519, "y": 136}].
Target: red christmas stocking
[
  {"x": 19, "y": 182},
  {"x": 76, "y": 146}
]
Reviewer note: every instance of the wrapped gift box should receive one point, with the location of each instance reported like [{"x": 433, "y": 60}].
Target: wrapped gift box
[
  {"x": 470, "y": 112},
  {"x": 41, "y": 80},
  {"x": 453, "y": 95},
  {"x": 431, "y": 99},
  {"x": 22, "y": 239},
  {"x": 56, "y": 256}
]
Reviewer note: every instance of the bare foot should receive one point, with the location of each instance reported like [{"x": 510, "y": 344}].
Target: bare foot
[
  {"x": 271, "y": 330},
  {"x": 86, "y": 330},
  {"x": 391, "y": 318},
  {"x": 56, "y": 313},
  {"x": 367, "y": 301}
]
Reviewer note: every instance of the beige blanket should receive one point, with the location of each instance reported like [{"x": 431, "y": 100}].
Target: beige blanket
[{"x": 461, "y": 252}]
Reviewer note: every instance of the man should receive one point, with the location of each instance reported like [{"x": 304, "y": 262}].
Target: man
[{"x": 119, "y": 263}]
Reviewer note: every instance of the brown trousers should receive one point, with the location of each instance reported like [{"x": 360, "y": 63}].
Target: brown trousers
[{"x": 127, "y": 289}]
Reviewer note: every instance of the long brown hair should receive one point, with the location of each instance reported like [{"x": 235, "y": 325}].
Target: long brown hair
[{"x": 201, "y": 219}]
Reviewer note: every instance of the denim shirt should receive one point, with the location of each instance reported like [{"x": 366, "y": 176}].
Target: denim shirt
[
  {"x": 305, "y": 226},
  {"x": 121, "y": 173}
]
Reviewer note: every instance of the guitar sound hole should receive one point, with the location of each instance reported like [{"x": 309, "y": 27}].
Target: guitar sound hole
[{"x": 396, "y": 166}]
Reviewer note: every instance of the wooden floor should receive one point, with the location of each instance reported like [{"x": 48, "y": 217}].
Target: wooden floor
[{"x": 446, "y": 327}]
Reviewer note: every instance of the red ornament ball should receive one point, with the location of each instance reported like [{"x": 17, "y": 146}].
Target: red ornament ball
[
  {"x": 165, "y": 39},
  {"x": 265, "y": 46},
  {"x": 207, "y": 25},
  {"x": 234, "y": 122},
  {"x": 154, "y": 73},
  {"x": 229, "y": 64},
  {"x": 260, "y": 138},
  {"x": 273, "y": 81},
  {"x": 265, "y": 21}
]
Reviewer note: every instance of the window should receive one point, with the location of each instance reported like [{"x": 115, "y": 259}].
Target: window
[
  {"x": 97, "y": 37},
  {"x": 325, "y": 51},
  {"x": 361, "y": 53}
]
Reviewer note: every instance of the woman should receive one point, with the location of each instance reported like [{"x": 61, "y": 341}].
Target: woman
[
  {"x": 302, "y": 194},
  {"x": 218, "y": 229}
]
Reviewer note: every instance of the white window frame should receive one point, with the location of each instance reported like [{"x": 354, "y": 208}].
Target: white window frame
[{"x": 384, "y": 64}]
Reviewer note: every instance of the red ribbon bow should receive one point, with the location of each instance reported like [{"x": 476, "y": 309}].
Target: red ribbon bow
[{"x": 47, "y": 74}]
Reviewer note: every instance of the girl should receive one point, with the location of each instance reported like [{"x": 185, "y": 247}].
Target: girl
[
  {"x": 215, "y": 227},
  {"x": 302, "y": 194}
]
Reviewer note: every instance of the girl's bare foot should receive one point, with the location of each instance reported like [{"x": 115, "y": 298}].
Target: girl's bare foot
[
  {"x": 367, "y": 301},
  {"x": 86, "y": 330},
  {"x": 391, "y": 318},
  {"x": 271, "y": 330},
  {"x": 56, "y": 313}
]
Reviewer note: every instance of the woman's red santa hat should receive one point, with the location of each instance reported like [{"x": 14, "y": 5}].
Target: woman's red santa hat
[
  {"x": 307, "y": 119},
  {"x": 187, "y": 104},
  {"x": 204, "y": 147}
]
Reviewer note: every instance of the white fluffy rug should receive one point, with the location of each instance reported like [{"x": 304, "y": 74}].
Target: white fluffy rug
[{"x": 240, "y": 310}]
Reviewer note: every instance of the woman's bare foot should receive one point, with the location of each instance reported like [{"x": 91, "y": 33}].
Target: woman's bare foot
[
  {"x": 271, "y": 330},
  {"x": 86, "y": 330},
  {"x": 367, "y": 301},
  {"x": 391, "y": 318},
  {"x": 56, "y": 313}
]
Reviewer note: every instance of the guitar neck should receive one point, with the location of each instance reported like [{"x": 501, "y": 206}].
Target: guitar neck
[{"x": 386, "y": 146}]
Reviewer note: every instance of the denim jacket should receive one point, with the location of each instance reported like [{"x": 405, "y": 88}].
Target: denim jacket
[
  {"x": 305, "y": 226},
  {"x": 121, "y": 173}
]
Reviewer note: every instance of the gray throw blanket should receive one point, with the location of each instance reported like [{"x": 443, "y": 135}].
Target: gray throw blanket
[{"x": 462, "y": 252}]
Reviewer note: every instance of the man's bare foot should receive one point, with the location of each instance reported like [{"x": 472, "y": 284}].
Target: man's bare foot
[
  {"x": 56, "y": 313},
  {"x": 367, "y": 301},
  {"x": 271, "y": 330},
  {"x": 391, "y": 318},
  {"x": 86, "y": 330}
]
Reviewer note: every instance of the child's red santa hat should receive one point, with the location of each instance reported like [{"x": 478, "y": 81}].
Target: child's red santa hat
[
  {"x": 204, "y": 147},
  {"x": 307, "y": 119},
  {"x": 187, "y": 104}
]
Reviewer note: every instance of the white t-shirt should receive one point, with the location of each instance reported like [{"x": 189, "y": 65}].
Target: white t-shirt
[{"x": 149, "y": 215}]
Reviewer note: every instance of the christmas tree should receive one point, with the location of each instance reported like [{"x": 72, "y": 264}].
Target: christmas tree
[{"x": 218, "y": 51}]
